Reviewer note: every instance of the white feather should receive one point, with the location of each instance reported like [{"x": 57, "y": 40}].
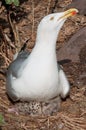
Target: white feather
[{"x": 39, "y": 80}]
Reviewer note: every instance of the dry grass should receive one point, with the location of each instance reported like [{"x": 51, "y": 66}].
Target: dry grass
[{"x": 63, "y": 120}]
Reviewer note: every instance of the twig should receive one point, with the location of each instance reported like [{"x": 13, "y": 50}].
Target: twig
[
  {"x": 3, "y": 41},
  {"x": 15, "y": 33},
  {"x": 3, "y": 72},
  {"x": 2, "y": 9},
  {"x": 4, "y": 103},
  {"x": 48, "y": 123},
  {"x": 48, "y": 7},
  {"x": 9, "y": 41},
  {"x": 73, "y": 122},
  {"x": 33, "y": 18},
  {"x": 53, "y": 8},
  {"x": 6, "y": 59}
]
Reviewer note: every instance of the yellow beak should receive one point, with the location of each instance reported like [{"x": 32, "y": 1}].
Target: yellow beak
[{"x": 69, "y": 13}]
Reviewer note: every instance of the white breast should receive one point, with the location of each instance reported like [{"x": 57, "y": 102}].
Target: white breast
[{"x": 39, "y": 78}]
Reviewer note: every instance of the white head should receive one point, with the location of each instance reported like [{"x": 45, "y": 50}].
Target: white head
[{"x": 50, "y": 25}]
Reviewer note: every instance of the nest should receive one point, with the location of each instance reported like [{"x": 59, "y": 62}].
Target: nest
[{"x": 72, "y": 114}]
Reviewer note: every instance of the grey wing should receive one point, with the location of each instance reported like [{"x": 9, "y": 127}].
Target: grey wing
[
  {"x": 15, "y": 71},
  {"x": 17, "y": 65}
]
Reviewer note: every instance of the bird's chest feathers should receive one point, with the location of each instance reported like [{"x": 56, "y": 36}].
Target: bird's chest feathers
[{"x": 41, "y": 69}]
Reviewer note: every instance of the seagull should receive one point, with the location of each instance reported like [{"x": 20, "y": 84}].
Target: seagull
[{"x": 37, "y": 76}]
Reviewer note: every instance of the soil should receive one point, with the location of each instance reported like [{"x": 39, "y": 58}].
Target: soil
[{"x": 26, "y": 17}]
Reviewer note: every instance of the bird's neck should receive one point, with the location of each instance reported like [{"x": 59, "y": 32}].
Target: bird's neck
[
  {"x": 46, "y": 40},
  {"x": 44, "y": 50}
]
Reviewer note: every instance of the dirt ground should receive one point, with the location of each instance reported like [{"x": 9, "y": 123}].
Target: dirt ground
[{"x": 72, "y": 115}]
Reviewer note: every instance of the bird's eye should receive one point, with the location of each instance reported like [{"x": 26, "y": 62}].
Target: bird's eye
[{"x": 52, "y": 18}]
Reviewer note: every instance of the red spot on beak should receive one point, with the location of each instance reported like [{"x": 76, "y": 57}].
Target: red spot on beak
[{"x": 74, "y": 12}]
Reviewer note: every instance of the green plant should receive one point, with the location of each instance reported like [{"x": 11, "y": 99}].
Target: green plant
[
  {"x": 1, "y": 119},
  {"x": 15, "y": 2}
]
